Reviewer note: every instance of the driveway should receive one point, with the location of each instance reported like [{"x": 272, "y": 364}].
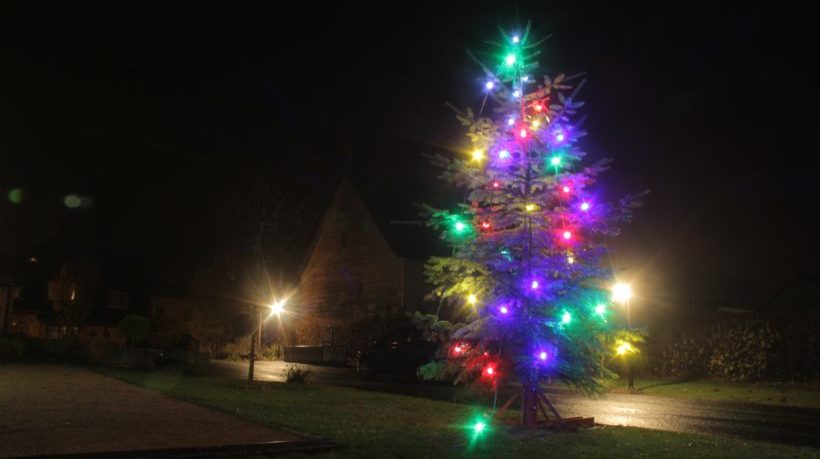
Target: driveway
[
  {"x": 60, "y": 409},
  {"x": 800, "y": 426}
]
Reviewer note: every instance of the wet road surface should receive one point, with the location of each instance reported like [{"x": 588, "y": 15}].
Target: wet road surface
[{"x": 799, "y": 426}]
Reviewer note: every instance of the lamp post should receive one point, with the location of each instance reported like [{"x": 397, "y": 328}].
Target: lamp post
[
  {"x": 276, "y": 308},
  {"x": 622, "y": 293}
]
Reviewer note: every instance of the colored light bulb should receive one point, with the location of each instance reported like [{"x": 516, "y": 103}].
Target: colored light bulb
[
  {"x": 517, "y": 93},
  {"x": 534, "y": 285},
  {"x": 584, "y": 206},
  {"x": 516, "y": 38},
  {"x": 558, "y": 136},
  {"x": 565, "y": 189},
  {"x": 460, "y": 226},
  {"x": 504, "y": 154},
  {"x": 523, "y": 133},
  {"x": 489, "y": 85},
  {"x": 489, "y": 371},
  {"x": 457, "y": 349},
  {"x": 529, "y": 207},
  {"x": 477, "y": 155},
  {"x": 510, "y": 59},
  {"x": 567, "y": 235},
  {"x": 525, "y": 78},
  {"x": 485, "y": 224},
  {"x": 472, "y": 299},
  {"x": 503, "y": 309},
  {"x": 566, "y": 317},
  {"x": 543, "y": 356},
  {"x": 535, "y": 124},
  {"x": 479, "y": 427},
  {"x": 623, "y": 348},
  {"x": 496, "y": 185},
  {"x": 555, "y": 160},
  {"x": 570, "y": 259},
  {"x": 538, "y": 107},
  {"x": 600, "y": 309},
  {"x": 510, "y": 121}
]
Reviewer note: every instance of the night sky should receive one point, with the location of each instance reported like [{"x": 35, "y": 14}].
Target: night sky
[{"x": 158, "y": 113}]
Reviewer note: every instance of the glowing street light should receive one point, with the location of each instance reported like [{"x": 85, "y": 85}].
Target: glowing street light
[
  {"x": 622, "y": 292},
  {"x": 277, "y": 307}
]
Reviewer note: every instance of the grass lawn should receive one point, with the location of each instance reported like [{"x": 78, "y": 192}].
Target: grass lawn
[
  {"x": 726, "y": 392},
  {"x": 371, "y": 424}
]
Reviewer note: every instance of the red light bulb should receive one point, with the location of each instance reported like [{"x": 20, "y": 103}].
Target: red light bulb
[
  {"x": 485, "y": 224},
  {"x": 496, "y": 185},
  {"x": 566, "y": 189}
]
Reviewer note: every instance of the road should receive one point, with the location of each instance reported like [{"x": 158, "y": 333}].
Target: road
[{"x": 799, "y": 426}]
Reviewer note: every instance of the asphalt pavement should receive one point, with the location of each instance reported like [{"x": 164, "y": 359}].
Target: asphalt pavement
[
  {"x": 53, "y": 410},
  {"x": 798, "y": 426}
]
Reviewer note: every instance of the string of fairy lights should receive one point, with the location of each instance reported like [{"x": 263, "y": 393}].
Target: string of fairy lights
[{"x": 532, "y": 225}]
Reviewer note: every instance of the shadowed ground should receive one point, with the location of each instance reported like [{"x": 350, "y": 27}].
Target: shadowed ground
[{"x": 57, "y": 409}]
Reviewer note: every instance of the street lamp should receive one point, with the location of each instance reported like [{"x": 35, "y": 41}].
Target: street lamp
[
  {"x": 622, "y": 293},
  {"x": 276, "y": 308}
]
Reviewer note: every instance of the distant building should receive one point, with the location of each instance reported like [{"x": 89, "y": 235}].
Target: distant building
[{"x": 355, "y": 284}]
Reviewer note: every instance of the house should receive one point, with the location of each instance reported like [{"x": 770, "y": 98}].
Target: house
[{"x": 356, "y": 283}]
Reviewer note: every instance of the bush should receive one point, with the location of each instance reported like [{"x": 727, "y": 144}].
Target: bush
[
  {"x": 745, "y": 351},
  {"x": 295, "y": 374},
  {"x": 12, "y": 348},
  {"x": 272, "y": 351},
  {"x": 134, "y": 328}
]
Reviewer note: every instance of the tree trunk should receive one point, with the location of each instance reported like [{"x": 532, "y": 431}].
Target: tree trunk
[{"x": 529, "y": 405}]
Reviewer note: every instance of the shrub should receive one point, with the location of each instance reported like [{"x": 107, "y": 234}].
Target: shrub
[
  {"x": 12, "y": 348},
  {"x": 134, "y": 328},
  {"x": 295, "y": 374},
  {"x": 272, "y": 351}
]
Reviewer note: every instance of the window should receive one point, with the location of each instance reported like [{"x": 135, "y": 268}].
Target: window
[{"x": 117, "y": 300}]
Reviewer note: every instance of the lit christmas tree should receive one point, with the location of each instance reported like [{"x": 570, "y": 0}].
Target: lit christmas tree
[{"x": 529, "y": 240}]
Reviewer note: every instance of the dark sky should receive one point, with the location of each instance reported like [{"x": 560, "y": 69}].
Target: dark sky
[{"x": 158, "y": 112}]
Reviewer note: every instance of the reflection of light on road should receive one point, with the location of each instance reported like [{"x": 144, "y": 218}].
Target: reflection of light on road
[{"x": 623, "y": 409}]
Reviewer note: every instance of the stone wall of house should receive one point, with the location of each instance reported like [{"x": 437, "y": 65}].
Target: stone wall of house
[{"x": 351, "y": 285}]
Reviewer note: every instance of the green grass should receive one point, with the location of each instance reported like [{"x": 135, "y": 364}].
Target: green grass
[
  {"x": 371, "y": 424},
  {"x": 726, "y": 392}
]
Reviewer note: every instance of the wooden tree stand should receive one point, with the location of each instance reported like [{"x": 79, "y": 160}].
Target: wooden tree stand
[{"x": 533, "y": 402}]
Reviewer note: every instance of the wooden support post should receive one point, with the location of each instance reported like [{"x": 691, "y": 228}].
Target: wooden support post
[{"x": 529, "y": 406}]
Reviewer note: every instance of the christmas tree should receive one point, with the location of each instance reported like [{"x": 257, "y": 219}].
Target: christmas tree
[{"x": 529, "y": 240}]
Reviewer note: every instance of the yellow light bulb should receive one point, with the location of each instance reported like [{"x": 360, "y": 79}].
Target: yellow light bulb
[
  {"x": 472, "y": 299},
  {"x": 623, "y": 348},
  {"x": 535, "y": 124},
  {"x": 529, "y": 207},
  {"x": 570, "y": 259},
  {"x": 478, "y": 155}
]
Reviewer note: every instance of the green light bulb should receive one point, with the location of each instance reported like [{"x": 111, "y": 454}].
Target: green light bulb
[
  {"x": 566, "y": 318},
  {"x": 479, "y": 427},
  {"x": 555, "y": 160},
  {"x": 460, "y": 227},
  {"x": 510, "y": 59},
  {"x": 600, "y": 309}
]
